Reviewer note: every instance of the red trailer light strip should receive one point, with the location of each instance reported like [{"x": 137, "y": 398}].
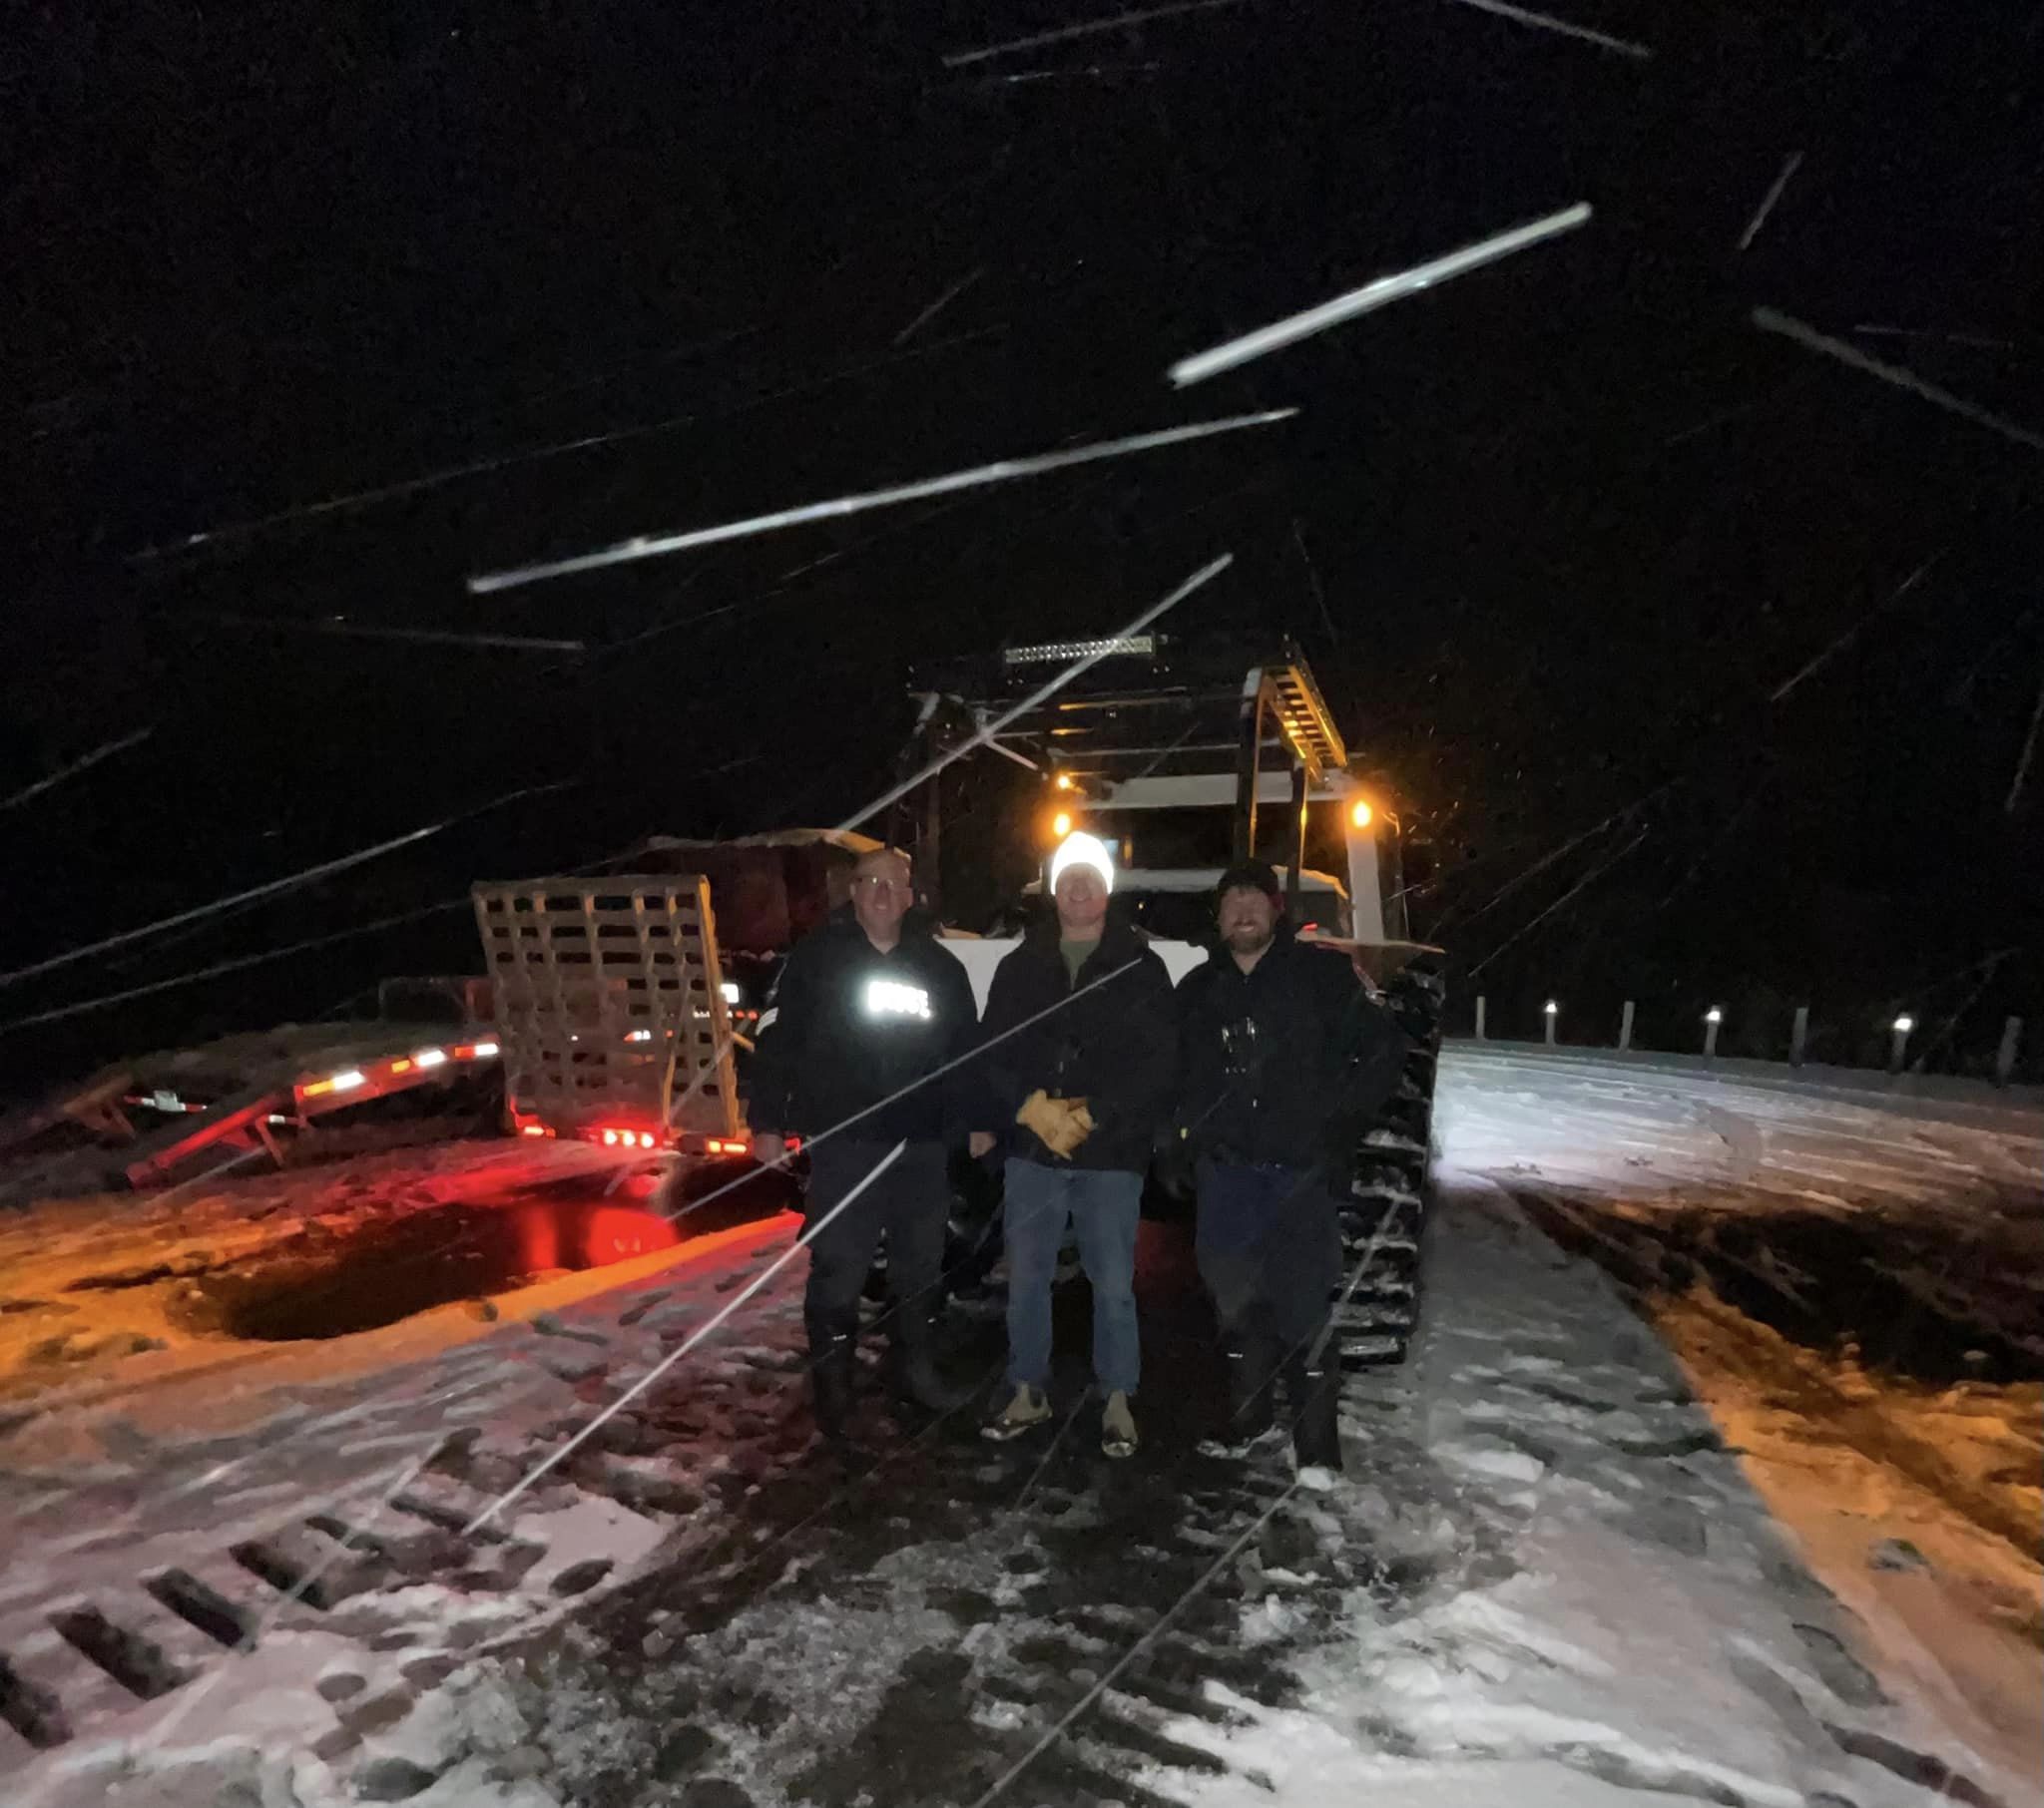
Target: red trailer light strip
[{"x": 613, "y": 1138}]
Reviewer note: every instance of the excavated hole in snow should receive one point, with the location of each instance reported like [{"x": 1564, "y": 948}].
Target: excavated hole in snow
[{"x": 392, "y": 1268}]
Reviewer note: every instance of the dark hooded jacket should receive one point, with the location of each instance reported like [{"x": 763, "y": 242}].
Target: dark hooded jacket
[
  {"x": 1284, "y": 1065},
  {"x": 845, "y": 1028},
  {"x": 1114, "y": 1045}
]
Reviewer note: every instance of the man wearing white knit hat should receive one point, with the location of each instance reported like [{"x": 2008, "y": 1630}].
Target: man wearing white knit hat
[{"x": 1079, "y": 1067}]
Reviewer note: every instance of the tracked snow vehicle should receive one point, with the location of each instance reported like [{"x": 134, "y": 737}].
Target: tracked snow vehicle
[{"x": 1185, "y": 758}]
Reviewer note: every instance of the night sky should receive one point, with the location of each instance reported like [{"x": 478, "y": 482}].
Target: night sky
[{"x": 1552, "y": 534}]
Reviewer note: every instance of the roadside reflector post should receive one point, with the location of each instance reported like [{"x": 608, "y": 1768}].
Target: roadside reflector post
[
  {"x": 1479, "y": 1018},
  {"x": 1898, "y": 1040},
  {"x": 1625, "y": 1028},
  {"x": 1711, "y": 1019},
  {"x": 1550, "y": 1011},
  {"x": 1799, "y": 1037},
  {"x": 2005, "y": 1056}
]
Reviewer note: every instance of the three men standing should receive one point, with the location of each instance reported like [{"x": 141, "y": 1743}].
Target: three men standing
[
  {"x": 1275, "y": 1056},
  {"x": 865, "y": 1014},
  {"x": 1285, "y": 1060}
]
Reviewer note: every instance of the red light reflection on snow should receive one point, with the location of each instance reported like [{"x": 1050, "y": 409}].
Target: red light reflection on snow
[
  {"x": 561, "y": 1236},
  {"x": 539, "y": 1241},
  {"x": 615, "y": 1233}
]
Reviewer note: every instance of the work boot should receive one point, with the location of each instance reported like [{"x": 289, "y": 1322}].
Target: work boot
[
  {"x": 1315, "y": 1389},
  {"x": 913, "y": 1380},
  {"x": 911, "y": 1370},
  {"x": 1251, "y": 1423},
  {"x": 833, "y": 1363},
  {"x": 1025, "y": 1412},
  {"x": 1117, "y": 1427}
]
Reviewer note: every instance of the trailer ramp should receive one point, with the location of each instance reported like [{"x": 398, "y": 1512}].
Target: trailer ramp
[{"x": 611, "y": 1008}]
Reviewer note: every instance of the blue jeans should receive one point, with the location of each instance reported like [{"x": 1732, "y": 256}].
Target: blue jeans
[{"x": 1102, "y": 1206}]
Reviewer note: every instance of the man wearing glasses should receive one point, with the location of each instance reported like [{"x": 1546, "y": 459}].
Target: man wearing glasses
[{"x": 864, "y": 1014}]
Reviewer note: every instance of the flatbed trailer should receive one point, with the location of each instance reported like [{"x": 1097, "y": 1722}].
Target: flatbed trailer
[
  {"x": 607, "y": 1009},
  {"x": 159, "y": 1117}
]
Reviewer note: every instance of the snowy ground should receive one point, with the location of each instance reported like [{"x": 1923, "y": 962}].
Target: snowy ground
[
  {"x": 1546, "y": 1578},
  {"x": 1851, "y": 1272}
]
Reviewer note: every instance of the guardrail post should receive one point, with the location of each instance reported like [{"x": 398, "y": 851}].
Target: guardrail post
[
  {"x": 1625, "y": 1026},
  {"x": 1550, "y": 1011},
  {"x": 1799, "y": 1038},
  {"x": 1479, "y": 1018},
  {"x": 1711, "y": 1019},
  {"x": 2005, "y": 1056},
  {"x": 1898, "y": 1040}
]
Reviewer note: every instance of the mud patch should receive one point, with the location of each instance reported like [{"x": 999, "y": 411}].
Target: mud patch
[{"x": 1904, "y": 1296}]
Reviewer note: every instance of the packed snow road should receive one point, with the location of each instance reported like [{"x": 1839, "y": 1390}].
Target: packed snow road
[
  {"x": 1851, "y": 1272},
  {"x": 1546, "y": 1577}
]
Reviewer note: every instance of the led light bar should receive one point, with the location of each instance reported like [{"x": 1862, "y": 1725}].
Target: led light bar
[
  {"x": 1121, "y": 645},
  {"x": 337, "y": 1083}
]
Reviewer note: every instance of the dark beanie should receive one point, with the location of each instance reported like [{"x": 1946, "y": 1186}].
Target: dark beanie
[{"x": 1252, "y": 875}]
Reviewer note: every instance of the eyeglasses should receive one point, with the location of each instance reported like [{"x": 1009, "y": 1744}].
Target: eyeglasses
[{"x": 881, "y": 882}]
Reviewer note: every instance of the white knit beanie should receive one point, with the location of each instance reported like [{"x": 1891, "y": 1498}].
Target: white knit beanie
[{"x": 1082, "y": 849}]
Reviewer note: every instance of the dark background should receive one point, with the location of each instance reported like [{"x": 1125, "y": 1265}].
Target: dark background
[{"x": 1552, "y": 533}]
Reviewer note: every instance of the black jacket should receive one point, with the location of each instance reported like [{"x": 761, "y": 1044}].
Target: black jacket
[
  {"x": 1284, "y": 1065},
  {"x": 1114, "y": 1045},
  {"x": 829, "y": 1045}
]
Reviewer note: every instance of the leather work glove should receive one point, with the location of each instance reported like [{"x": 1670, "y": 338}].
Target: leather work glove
[
  {"x": 1075, "y": 1126},
  {"x": 1060, "y": 1125},
  {"x": 1040, "y": 1117},
  {"x": 1081, "y": 1122}
]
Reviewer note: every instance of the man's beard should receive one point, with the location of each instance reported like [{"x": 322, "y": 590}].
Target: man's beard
[{"x": 1244, "y": 940}]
